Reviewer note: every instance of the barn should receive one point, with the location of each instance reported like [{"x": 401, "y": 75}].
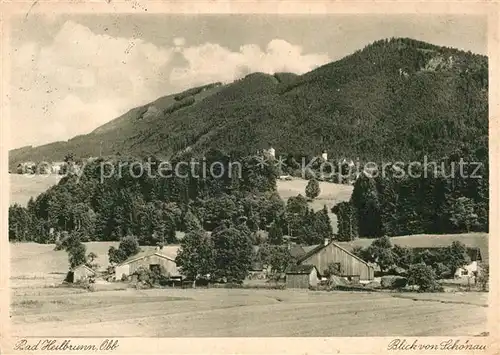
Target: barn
[
  {"x": 151, "y": 260},
  {"x": 349, "y": 264},
  {"x": 302, "y": 276}
]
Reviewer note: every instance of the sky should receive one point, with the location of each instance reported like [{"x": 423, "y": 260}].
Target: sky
[{"x": 71, "y": 74}]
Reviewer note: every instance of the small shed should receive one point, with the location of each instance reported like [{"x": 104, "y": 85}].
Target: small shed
[
  {"x": 302, "y": 276},
  {"x": 80, "y": 273}
]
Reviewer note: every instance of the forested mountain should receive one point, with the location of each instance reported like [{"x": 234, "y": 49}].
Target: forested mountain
[{"x": 396, "y": 99}]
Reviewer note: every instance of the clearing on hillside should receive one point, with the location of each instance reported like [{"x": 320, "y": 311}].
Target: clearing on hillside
[
  {"x": 330, "y": 195},
  {"x": 22, "y": 186}
]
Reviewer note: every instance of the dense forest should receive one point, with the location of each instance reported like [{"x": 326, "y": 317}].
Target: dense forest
[
  {"x": 154, "y": 208},
  {"x": 395, "y": 99},
  {"x": 452, "y": 198}
]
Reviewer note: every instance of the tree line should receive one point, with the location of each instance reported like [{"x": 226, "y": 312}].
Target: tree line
[{"x": 443, "y": 201}]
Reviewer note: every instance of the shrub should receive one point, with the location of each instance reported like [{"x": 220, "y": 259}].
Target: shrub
[
  {"x": 333, "y": 269},
  {"x": 483, "y": 276},
  {"x": 442, "y": 271},
  {"x": 59, "y": 245},
  {"x": 128, "y": 247},
  {"x": 393, "y": 282},
  {"x": 423, "y": 276},
  {"x": 144, "y": 276},
  {"x": 312, "y": 189}
]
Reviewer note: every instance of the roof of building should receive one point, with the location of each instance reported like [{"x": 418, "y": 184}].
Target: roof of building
[
  {"x": 144, "y": 254},
  {"x": 301, "y": 269},
  {"x": 296, "y": 251},
  {"x": 83, "y": 266},
  {"x": 308, "y": 248},
  {"x": 427, "y": 241},
  {"x": 313, "y": 249}
]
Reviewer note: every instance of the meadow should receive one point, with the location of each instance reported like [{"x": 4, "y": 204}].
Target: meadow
[
  {"x": 200, "y": 312},
  {"x": 40, "y": 306},
  {"x": 330, "y": 195},
  {"x": 22, "y": 187}
]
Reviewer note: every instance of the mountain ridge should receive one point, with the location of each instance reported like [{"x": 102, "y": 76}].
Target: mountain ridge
[{"x": 395, "y": 98}]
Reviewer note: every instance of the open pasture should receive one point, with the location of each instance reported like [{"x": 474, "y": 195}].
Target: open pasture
[
  {"x": 236, "y": 312},
  {"x": 22, "y": 187},
  {"x": 39, "y": 307},
  {"x": 330, "y": 195}
]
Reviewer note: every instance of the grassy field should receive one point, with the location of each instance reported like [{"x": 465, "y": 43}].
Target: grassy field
[
  {"x": 32, "y": 261},
  {"x": 330, "y": 195},
  {"x": 231, "y": 312},
  {"x": 22, "y": 187},
  {"x": 41, "y": 308}
]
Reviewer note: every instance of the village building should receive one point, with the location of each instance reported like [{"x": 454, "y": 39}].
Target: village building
[
  {"x": 80, "y": 273},
  {"x": 57, "y": 167},
  {"x": 154, "y": 261},
  {"x": 350, "y": 265},
  {"x": 271, "y": 152},
  {"x": 302, "y": 276}
]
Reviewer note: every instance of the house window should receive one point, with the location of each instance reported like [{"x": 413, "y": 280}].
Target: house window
[{"x": 465, "y": 272}]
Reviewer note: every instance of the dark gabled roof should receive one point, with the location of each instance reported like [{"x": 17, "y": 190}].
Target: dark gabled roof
[{"x": 301, "y": 269}]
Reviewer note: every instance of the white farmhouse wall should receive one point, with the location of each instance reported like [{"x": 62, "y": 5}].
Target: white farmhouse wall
[{"x": 467, "y": 270}]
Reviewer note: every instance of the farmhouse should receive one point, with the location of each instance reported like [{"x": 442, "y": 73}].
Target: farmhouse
[
  {"x": 80, "y": 273},
  {"x": 57, "y": 166},
  {"x": 151, "y": 260},
  {"x": 349, "y": 264},
  {"x": 476, "y": 243},
  {"x": 302, "y": 276}
]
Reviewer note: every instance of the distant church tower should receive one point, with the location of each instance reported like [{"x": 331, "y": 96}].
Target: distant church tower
[{"x": 271, "y": 152}]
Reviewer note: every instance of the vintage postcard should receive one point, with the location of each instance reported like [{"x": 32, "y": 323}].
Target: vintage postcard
[{"x": 249, "y": 177}]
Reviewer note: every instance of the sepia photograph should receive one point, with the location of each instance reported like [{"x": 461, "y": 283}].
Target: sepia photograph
[{"x": 248, "y": 175}]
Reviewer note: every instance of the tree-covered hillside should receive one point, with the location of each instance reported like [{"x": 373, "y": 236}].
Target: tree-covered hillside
[
  {"x": 396, "y": 99},
  {"x": 153, "y": 200},
  {"x": 449, "y": 196}
]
